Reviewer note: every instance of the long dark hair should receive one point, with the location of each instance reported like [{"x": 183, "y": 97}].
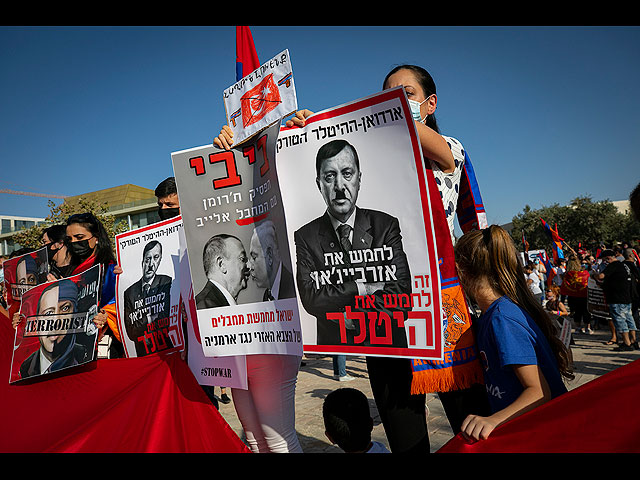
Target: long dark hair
[
  {"x": 104, "y": 248},
  {"x": 426, "y": 82},
  {"x": 491, "y": 254}
]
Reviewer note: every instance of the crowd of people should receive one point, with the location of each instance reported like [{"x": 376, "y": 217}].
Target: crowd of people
[
  {"x": 525, "y": 362},
  {"x": 564, "y": 291}
]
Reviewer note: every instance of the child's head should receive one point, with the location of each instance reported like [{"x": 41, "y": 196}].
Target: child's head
[
  {"x": 489, "y": 255},
  {"x": 487, "y": 259},
  {"x": 347, "y": 420}
]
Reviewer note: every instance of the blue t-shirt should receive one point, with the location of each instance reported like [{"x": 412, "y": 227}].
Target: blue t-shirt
[{"x": 506, "y": 336}]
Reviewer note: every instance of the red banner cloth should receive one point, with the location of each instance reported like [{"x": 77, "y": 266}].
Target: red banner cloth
[
  {"x": 246, "y": 55},
  {"x": 151, "y": 404},
  {"x": 600, "y": 416}
]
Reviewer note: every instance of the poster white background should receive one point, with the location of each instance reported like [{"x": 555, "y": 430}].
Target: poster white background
[
  {"x": 389, "y": 184},
  {"x": 281, "y": 69},
  {"x": 130, "y": 246}
]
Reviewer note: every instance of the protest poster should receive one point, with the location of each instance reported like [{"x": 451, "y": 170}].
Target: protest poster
[
  {"x": 230, "y": 371},
  {"x": 239, "y": 256},
  {"x": 21, "y": 273},
  {"x": 147, "y": 295},
  {"x": 564, "y": 333},
  {"x": 532, "y": 255},
  {"x": 379, "y": 295},
  {"x": 596, "y": 302},
  {"x": 261, "y": 98},
  {"x": 57, "y": 330}
]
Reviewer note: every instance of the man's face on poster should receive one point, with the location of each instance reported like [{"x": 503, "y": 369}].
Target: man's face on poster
[
  {"x": 23, "y": 277},
  {"x": 51, "y": 305},
  {"x": 339, "y": 183},
  {"x": 150, "y": 262},
  {"x": 258, "y": 263},
  {"x": 237, "y": 271}
]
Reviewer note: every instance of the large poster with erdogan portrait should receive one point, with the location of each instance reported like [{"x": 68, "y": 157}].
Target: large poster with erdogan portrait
[
  {"x": 358, "y": 212},
  {"x": 148, "y": 289}
]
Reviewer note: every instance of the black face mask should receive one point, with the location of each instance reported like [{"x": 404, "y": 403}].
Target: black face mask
[
  {"x": 51, "y": 251},
  {"x": 166, "y": 213},
  {"x": 80, "y": 250}
]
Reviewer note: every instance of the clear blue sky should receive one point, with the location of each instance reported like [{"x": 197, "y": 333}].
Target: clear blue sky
[{"x": 546, "y": 113}]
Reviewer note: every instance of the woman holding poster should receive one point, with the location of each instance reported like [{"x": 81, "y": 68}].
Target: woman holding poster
[
  {"x": 90, "y": 244},
  {"x": 400, "y": 392}
]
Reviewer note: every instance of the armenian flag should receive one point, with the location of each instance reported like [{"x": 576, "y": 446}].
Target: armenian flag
[
  {"x": 246, "y": 55},
  {"x": 555, "y": 239}
]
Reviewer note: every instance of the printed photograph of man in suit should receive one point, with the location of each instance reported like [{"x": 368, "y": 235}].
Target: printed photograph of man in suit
[
  {"x": 146, "y": 301},
  {"x": 60, "y": 350},
  {"x": 225, "y": 264},
  {"x": 342, "y": 228},
  {"x": 265, "y": 263}
]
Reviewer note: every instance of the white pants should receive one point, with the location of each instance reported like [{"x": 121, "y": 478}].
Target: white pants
[{"x": 267, "y": 409}]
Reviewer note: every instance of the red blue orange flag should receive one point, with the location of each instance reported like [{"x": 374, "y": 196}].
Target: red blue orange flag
[
  {"x": 551, "y": 270},
  {"x": 246, "y": 55},
  {"x": 555, "y": 239}
]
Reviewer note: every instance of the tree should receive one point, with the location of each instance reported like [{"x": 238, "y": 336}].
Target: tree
[
  {"x": 583, "y": 221},
  {"x": 31, "y": 237}
]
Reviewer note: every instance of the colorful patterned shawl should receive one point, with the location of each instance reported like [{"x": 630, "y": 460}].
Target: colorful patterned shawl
[{"x": 460, "y": 368}]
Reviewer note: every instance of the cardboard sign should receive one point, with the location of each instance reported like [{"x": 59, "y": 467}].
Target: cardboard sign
[{"x": 261, "y": 98}]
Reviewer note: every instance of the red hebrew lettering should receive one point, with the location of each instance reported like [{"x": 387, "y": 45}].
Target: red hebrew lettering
[
  {"x": 340, "y": 318},
  {"x": 380, "y": 317},
  {"x": 160, "y": 338},
  {"x": 361, "y": 337},
  {"x": 426, "y": 316},
  {"x": 197, "y": 163},
  {"x": 232, "y": 179},
  {"x": 264, "y": 168},
  {"x": 250, "y": 153}
]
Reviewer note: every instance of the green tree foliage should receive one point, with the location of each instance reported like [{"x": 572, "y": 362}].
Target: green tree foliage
[
  {"x": 583, "y": 221},
  {"x": 30, "y": 237}
]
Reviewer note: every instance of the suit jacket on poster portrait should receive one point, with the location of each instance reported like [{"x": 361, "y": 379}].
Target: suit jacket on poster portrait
[
  {"x": 210, "y": 296},
  {"x": 287, "y": 286},
  {"x": 372, "y": 229},
  {"x": 136, "y": 322},
  {"x": 76, "y": 354}
]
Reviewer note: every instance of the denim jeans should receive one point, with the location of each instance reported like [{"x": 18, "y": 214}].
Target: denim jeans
[
  {"x": 340, "y": 365},
  {"x": 622, "y": 317}
]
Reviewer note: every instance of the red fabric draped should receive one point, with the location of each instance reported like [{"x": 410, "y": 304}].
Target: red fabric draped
[
  {"x": 151, "y": 404},
  {"x": 246, "y": 56},
  {"x": 600, "y": 416}
]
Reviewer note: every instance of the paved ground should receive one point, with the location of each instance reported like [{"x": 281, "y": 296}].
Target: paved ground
[{"x": 592, "y": 358}]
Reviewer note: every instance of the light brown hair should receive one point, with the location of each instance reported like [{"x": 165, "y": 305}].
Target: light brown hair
[{"x": 491, "y": 255}]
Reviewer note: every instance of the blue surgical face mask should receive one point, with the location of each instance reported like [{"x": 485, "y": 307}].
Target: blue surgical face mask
[{"x": 415, "y": 109}]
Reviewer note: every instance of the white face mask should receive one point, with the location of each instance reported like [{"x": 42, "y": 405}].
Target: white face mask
[{"x": 415, "y": 109}]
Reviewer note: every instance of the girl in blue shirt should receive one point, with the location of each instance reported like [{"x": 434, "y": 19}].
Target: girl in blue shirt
[{"x": 524, "y": 361}]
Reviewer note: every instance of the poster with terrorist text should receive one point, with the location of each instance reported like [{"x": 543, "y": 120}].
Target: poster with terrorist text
[
  {"x": 261, "y": 98},
  {"x": 357, "y": 208},
  {"x": 239, "y": 255},
  {"x": 147, "y": 293},
  {"x": 22, "y": 273},
  {"x": 56, "y": 330}
]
